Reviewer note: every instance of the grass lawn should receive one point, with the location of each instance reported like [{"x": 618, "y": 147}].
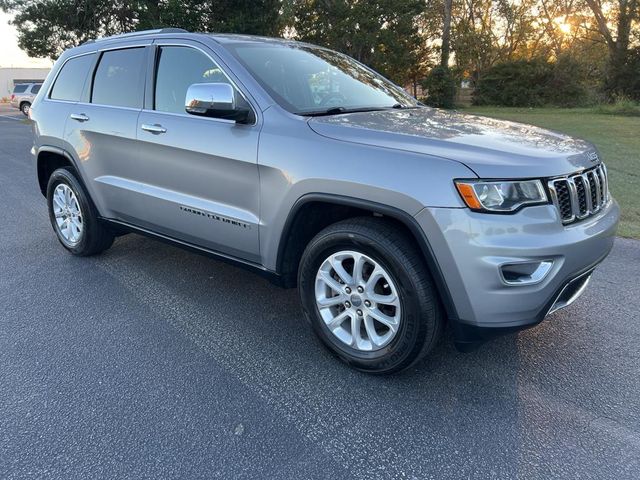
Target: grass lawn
[{"x": 617, "y": 138}]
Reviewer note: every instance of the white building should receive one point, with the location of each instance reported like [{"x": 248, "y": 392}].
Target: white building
[{"x": 11, "y": 76}]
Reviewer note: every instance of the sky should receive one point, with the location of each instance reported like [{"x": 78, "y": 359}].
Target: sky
[{"x": 10, "y": 53}]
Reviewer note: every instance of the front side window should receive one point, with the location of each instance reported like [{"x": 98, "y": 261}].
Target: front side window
[
  {"x": 35, "y": 89},
  {"x": 119, "y": 78},
  {"x": 71, "y": 78},
  {"x": 20, "y": 88},
  {"x": 307, "y": 80},
  {"x": 178, "y": 68}
]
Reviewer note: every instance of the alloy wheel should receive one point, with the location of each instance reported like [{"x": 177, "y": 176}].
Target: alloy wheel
[
  {"x": 358, "y": 300},
  {"x": 67, "y": 213}
]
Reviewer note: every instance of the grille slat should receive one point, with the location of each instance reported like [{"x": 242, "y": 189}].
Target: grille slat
[
  {"x": 581, "y": 190},
  {"x": 581, "y": 195}
]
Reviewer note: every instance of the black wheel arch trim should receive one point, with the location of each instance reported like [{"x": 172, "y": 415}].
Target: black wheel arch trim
[
  {"x": 400, "y": 215},
  {"x": 62, "y": 153}
]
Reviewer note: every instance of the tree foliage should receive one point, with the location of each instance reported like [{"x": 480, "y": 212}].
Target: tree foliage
[
  {"x": 597, "y": 40},
  {"x": 47, "y": 27},
  {"x": 533, "y": 83},
  {"x": 440, "y": 87},
  {"x": 380, "y": 33}
]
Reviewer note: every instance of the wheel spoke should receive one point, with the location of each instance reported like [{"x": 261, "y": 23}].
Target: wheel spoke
[
  {"x": 331, "y": 301},
  {"x": 371, "y": 331},
  {"x": 340, "y": 271},
  {"x": 391, "y": 299},
  {"x": 386, "y": 320},
  {"x": 58, "y": 201},
  {"x": 66, "y": 226},
  {"x": 358, "y": 265},
  {"x": 76, "y": 224},
  {"x": 338, "y": 320},
  {"x": 355, "y": 330},
  {"x": 376, "y": 275},
  {"x": 331, "y": 282}
]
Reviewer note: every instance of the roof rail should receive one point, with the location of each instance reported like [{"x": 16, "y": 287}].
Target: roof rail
[{"x": 138, "y": 34}]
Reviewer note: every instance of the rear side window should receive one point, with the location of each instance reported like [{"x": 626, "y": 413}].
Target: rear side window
[
  {"x": 119, "y": 78},
  {"x": 70, "y": 81},
  {"x": 20, "y": 88},
  {"x": 35, "y": 89},
  {"x": 178, "y": 68}
]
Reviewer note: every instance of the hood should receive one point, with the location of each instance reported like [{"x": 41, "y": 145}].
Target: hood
[{"x": 491, "y": 148}]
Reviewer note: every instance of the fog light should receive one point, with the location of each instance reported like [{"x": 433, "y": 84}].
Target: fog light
[{"x": 527, "y": 273}]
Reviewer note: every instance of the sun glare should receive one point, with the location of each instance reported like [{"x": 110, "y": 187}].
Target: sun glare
[{"x": 562, "y": 25}]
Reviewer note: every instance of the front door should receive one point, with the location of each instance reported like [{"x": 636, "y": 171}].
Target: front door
[{"x": 197, "y": 177}]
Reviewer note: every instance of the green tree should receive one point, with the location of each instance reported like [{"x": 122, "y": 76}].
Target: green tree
[
  {"x": 383, "y": 34},
  {"x": 624, "y": 15},
  {"x": 440, "y": 87},
  {"x": 48, "y": 27}
]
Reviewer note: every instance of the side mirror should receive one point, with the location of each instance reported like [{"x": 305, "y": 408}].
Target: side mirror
[{"x": 217, "y": 100}]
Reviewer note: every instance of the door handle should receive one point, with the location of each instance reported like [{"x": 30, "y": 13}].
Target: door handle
[
  {"x": 155, "y": 128},
  {"x": 80, "y": 117}
]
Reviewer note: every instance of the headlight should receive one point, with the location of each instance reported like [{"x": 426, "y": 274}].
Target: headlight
[{"x": 501, "y": 195}]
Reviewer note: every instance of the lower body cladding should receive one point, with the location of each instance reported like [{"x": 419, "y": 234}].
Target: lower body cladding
[{"x": 505, "y": 273}]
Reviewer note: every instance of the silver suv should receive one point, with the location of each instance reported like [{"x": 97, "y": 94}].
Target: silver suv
[
  {"x": 23, "y": 95},
  {"x": 310, "y": 168}
]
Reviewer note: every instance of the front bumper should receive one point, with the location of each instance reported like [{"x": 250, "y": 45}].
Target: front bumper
[{"x": 471, "y": 249}]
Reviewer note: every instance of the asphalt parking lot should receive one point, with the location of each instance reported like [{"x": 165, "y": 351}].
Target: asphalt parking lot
[{"x": 148, "y": 362}]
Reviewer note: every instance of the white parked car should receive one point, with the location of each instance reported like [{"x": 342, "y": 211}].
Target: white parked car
[{"x": 23, "y": 95}]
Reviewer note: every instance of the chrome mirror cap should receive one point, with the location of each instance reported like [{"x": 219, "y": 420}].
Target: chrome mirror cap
[
  {"x": 216, "y": 100},
  {"x": 203, "y": 97}
]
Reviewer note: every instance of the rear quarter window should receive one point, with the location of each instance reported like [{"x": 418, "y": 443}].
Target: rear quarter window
[
  {"x": 20, "y": 88},
  {"x": 119, "y": 78},
  {"x": 70, "y": 81}
]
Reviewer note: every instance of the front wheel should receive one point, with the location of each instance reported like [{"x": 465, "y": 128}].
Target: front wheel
[
  {"x": 24, "y": 108},
  {"x": 368, "y": 295}
]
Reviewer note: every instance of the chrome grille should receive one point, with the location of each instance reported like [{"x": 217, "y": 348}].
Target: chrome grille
[{"x": 581, "y": 195}]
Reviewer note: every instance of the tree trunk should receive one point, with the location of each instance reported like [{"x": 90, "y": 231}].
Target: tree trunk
[
  {"x": 618, "y": 46},
  {"x": 446, "y": 35}
]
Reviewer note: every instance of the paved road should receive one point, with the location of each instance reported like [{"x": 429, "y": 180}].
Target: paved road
[{"x": 151, "y": 362}]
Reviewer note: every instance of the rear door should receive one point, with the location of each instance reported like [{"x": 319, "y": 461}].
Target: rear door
[
  {"x": 196, "y": 177},
  {"x": 67, "y": 88},
  {"x": 102, "y": 129}
]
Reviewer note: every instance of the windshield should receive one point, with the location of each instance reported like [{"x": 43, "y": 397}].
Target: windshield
[{"x": 307, "y": 80}]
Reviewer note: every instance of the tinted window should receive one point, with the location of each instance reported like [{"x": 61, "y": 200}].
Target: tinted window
[
  {"x": 71, "y": 79},
  {"x": 118, "y": 80},
  {"x": 20, "y": 88},
  {"x": 179, "y": 67},
  {"x": 35, "y": 89}
]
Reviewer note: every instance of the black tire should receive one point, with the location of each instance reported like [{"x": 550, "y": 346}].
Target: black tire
[
  {"x": 96, "y": 236},
  {"x": 421, "y": 319},
  {"x": 24, "y": 108}
]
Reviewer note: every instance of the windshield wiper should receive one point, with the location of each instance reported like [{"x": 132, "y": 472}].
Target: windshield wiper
[
  {"x": 399, "y": 106},
  {"x": 339, "y": 110}
]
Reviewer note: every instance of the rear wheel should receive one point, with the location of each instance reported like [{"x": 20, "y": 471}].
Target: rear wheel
[
  {"x": 74, "y": 217},
  {"x": 24, "y": 108},
  {"x": 368, "y": 295}
]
